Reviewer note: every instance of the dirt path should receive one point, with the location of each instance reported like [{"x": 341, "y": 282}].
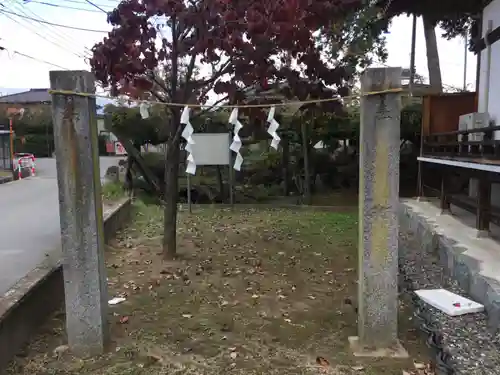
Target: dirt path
[{"x": 253, "y": 292}]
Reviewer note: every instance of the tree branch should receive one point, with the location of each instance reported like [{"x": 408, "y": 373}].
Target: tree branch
[
  {"x": 189, "y": 74},
  {"x": 159, "y": 83},
  {"x": 175, "y": 58},
  {"x": 155, "y": 94},
  {"x": 206, "y": 110}
]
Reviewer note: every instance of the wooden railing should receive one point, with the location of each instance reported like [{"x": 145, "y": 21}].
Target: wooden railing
[{"x": 471, "y": 143}]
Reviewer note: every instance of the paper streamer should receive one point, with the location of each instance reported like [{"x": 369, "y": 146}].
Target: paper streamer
[
  {"x": 144, "y": 110},
  {"x": 236, "y": 144},
  {"x": 187, "y": 135},
  {"x": 273, "y": 127}
]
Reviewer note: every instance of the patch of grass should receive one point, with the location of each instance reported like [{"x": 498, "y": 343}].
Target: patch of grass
[
  {"x": 253, "y": 291},
  {"x": 5, "y": 173},
  {"x": 112, "y": 191}
]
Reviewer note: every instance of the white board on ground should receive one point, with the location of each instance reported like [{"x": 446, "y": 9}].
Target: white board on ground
[
  {"x": 448, "y": 302},
  {"x": 211, "y": 148}
]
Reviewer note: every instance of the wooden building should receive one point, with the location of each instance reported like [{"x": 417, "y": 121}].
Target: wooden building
[{"x": 460, "y": 156}]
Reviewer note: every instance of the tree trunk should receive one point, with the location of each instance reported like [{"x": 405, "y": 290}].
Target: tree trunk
[
  {"x": 432, "y": 55},
  {"x": 305, "y": 150},
  {"x": 221, "y": 183},
  {"x": 171, "y": 190},
  {"x": 286, "y": 165}
]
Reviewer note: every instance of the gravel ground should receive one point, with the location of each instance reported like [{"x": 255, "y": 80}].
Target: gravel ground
[{"x": 473, "y": 348}]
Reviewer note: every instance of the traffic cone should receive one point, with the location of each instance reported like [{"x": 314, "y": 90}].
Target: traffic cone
[
  {"x": 32, "y": 171},
  {"x": 19, "y": 173}
]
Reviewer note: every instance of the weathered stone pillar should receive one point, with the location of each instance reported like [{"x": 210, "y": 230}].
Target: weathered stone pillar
[
  {"x": 378, "y": 215},
  {"x": 80, "y": 208}
]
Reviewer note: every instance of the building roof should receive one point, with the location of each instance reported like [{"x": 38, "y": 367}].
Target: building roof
[{"x": 32, "y": 96}]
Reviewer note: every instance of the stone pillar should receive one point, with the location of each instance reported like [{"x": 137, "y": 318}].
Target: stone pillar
[
  {"x": 378, "y": 215},
  {"x": 80, "y": 209}
]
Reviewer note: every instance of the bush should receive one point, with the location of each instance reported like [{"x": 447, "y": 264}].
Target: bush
[
  {"x": 113, "y": 191},
  {"x": 41, "y": 145}
]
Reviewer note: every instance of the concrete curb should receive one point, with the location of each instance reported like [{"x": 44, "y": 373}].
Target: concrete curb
[
  {"x": 4, "y": 180},
  {"x": 462, "y": 268},
  {"x": 32, "y": 299}
]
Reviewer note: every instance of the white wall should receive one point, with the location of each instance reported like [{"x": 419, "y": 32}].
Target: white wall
[
  {"x": 491, "y": 12},
  {"x": 102, "y": 128}
]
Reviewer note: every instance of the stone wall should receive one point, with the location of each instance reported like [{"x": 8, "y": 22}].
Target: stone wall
[{"x": 461, "y": 267}]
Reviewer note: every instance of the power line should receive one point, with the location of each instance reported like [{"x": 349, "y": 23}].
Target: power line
[
  {"x": 64, "y": 6},
  {"x": 54, "y": 31},
  {"x": 44, "y": 38},
  {"x": 70, "y": 1},
  {"x": 96, "y": 6},
  {"x": 51, "y": 32},
  {"x": 54, "y": 24},
  {"x": 32, "y": 58}
]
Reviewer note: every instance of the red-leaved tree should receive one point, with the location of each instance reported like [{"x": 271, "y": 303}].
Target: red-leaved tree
[{"x": 220, "y": 45}]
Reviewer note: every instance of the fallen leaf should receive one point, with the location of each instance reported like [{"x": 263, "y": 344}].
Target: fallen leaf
[
  {"x": 357, "y": 368},
  {"x": 419, "y": 366},
  {"x": 322, "y": 362},
  {"x": 60, "y": 350},
  {"x": 154, "y": 357},
  {"x": 288, "y": 320},
  {"x": 187, "y": 316},
  {"x": 233, "y": 355},
  {"x": 124, "y": 319}
]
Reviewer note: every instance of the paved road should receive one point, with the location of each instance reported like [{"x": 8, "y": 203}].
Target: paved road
[{"x": 29, "y": 225}]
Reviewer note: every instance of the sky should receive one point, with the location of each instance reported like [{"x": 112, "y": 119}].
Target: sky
[{"x": 66, "y": 49}]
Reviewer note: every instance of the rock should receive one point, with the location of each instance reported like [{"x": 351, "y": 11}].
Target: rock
[
  {"x": 60, "y": 350},
  {"x": 113, "y": 174}
]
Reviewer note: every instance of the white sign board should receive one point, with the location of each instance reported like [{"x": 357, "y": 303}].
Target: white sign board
[{"x": 211, "y": 148}]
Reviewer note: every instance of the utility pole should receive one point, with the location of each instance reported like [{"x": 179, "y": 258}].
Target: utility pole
[
  {"x": 466, "y": 40},
  {"x": 412, "y": 55}
]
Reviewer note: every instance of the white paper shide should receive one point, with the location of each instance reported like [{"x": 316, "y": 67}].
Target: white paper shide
[
  {"x": 273, "y": 128},
  {"x": 144, "y": 110},
  {"x": 187, "y": 134},
  {"x": 236, "y": 144}
]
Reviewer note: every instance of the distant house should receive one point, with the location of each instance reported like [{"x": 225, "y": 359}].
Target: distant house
[
  {"x": 35, "y": 100},
  {"x": 461, "y": 135},
  {"x": 5, "y": 157}
]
